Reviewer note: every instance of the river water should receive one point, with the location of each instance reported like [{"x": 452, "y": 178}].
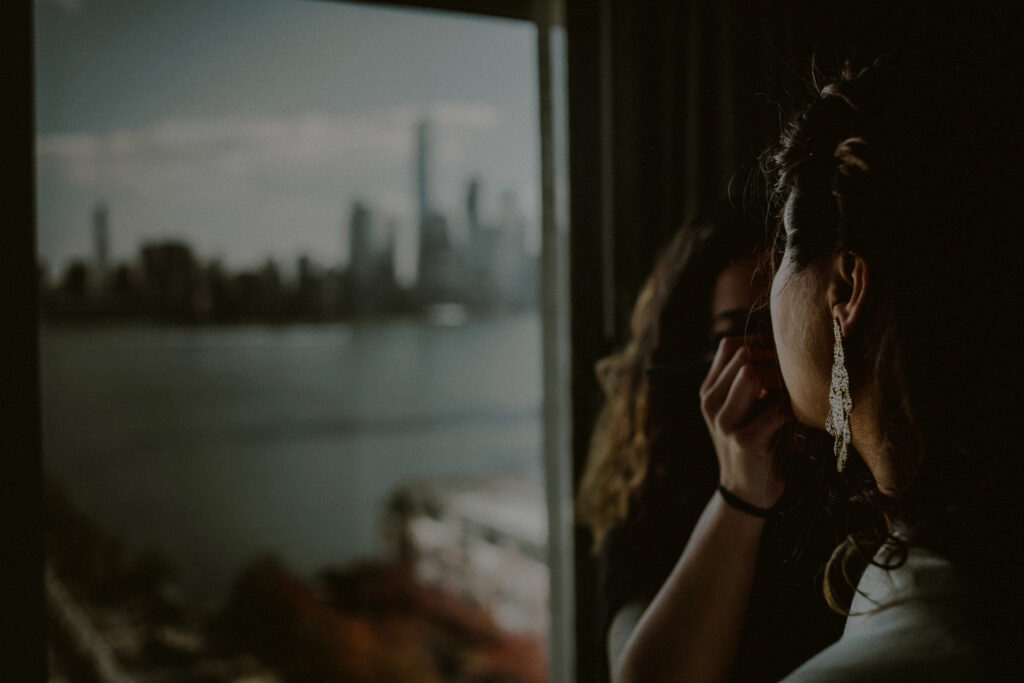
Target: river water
[{"x": 220, "y": 444}]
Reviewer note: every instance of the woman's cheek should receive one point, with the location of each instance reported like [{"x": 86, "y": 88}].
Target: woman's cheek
[
  {"x": 780, "y": 315},
  {"x": 792, "y": 329}
]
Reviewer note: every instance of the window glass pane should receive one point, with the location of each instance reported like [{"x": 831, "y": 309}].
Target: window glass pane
[{"x": 290, "y": 341}]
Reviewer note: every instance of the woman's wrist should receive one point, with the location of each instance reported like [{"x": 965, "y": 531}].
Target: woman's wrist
[{"x": 739, "y": 503}]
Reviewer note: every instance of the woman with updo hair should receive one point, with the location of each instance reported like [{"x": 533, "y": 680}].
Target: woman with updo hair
[
  {"x": 893, "y": 306},
  {"x": 652, "y": 464}
]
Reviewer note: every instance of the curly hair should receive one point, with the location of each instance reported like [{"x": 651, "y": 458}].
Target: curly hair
[{"x": 638, "y": 429}]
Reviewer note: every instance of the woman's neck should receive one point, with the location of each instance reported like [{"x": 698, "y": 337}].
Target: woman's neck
[{"x": 868, "y": 440}]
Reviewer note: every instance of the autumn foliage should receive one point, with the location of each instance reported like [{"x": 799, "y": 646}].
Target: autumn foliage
[{"x": 372, "y": 623}]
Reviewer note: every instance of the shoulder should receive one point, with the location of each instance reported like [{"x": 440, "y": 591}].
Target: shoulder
[{"x": 908, "y": 623}]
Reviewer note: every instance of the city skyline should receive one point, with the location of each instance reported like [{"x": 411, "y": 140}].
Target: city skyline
[
  {"x": 277, "y": 177},
  {"x": 458, "y": 225},
  {"x": 488, "y": 268}
]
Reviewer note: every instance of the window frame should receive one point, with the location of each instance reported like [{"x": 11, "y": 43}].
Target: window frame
[
  {"x": 22, "y": 632},
  {"x": 22, "y": 629}
]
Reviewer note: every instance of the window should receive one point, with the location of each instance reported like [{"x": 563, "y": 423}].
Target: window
[{"x": 291, "y": 345}]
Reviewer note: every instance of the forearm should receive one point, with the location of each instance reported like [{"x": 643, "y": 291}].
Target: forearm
[
  {"x": 621, "y": 630},
  {"x": 691, "y": 630}
]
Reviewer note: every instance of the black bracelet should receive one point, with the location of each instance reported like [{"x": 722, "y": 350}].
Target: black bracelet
[{"x": 742, "y": 505}]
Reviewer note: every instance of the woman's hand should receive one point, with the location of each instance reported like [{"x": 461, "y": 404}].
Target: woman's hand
[
  {"x": 742, "y": 406},
  {"x": 691, "y": 631}
]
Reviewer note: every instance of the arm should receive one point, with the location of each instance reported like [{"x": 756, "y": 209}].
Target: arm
[
  {"x": 692, "y": 628},
  {"x": 693, "y": 625},
  {"x": 621, "y": 629}
]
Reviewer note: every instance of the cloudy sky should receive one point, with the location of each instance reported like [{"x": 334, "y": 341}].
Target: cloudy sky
[{"x": 248, "y": 127}]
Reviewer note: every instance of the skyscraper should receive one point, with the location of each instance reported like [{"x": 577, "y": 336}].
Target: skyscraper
[
  {"x": 101, "y": 245},
  {"x": 423, "y": 195},
  {"x": 473, "y": 205},
  {"x": 439, "y": 274},
  {"x": 362, "y": 256},
  {"x": 371, "y": 265}
]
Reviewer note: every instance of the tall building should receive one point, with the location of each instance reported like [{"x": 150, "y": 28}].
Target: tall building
[
  {"x": 423, "y": 195},
  {"x": 371, "y": 267},
  {"x": 170, "y": 276},
  {"x": 101, "y": 245},
  {"x": 511, "y": 271},
  {"x": 360, "y": 231},
  {"x": 499, "y": 272},
  {"x": 484, "y": 240},
  {"x": 473, "y": 192},
  {"x": 440, "y": 275}
]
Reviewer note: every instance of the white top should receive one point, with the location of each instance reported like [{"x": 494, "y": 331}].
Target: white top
[{"x": 904, "y": 625}]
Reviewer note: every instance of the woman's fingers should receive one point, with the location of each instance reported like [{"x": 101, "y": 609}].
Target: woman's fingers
[
  {"x": 726, "y": 350},
  {"x": 745, "y": 390},
  {"x": 762, "y": 429},
  {"x": 714, "y": 396},
  {"x": 743, "y": 403},
  {"x": 734, "y": 357}
]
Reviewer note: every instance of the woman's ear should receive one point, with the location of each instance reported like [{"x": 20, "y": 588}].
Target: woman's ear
[{"x": 849, "y": 284}]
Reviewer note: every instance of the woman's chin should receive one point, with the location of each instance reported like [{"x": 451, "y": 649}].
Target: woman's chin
[{"x": 806, "y": 419}]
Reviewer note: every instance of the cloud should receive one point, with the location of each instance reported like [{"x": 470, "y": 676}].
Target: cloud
[
  {"x": 69, "y": 6},
  {"x": 477, "y": 115},
  {"x": 315, "y": 142},
  {"x": 252, "y": 187}
]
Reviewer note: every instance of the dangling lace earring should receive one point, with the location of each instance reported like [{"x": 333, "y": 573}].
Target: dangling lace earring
[{"x": 840, "y": 402}]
